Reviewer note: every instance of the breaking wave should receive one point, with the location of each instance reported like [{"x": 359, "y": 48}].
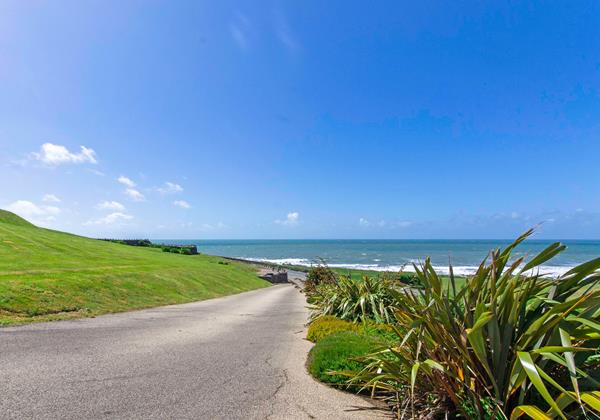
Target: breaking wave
[{"x": 465, "y": 270}]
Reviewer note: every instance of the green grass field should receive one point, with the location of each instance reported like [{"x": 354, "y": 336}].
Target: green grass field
[{"x": 47, "y": 275}]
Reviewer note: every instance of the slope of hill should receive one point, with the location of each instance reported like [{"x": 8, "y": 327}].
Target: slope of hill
[
  {"x": 12, "y": 219},
  {"x": 46, "y": 275}
]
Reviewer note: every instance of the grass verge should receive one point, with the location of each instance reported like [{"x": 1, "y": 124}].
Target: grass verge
[{"x": 338, "y": 353}]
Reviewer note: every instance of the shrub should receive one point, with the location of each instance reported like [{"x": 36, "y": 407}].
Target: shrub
[
  {"x": 338, "y": 353},
  {"x": 328, "y": 325},
  {"x": 496, "y": 347},
  {"x": 179, "y": 249},
  {"x": 406, "y": 278},
  {"x": 370, "y": 298},
  {"x": 320, "y": 274}
]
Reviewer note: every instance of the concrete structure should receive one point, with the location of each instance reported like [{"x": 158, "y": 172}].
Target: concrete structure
[{"x": 274, "y": 277}]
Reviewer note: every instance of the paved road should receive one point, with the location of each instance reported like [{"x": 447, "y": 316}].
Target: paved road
[{"x": 240, "y": 356}]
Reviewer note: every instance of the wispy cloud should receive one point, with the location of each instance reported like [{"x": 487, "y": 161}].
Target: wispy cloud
[
  {"x": 182, "y": 204},
  {"x": 362, "y": 222},
  {"x": 110, "y": 205},
  {"x": 170, "y": 188},
  {"x": 403, "y": 223},
  {"x": 97, "y": 172},
  {"x": 134, "y": 194},
  {"x": 126, "y": 181},
  {"x": 131, "y": 191},
  {"x": 291, "y": 219},
  {"x": 55, "y": 154},
  {"x": 111, "y": 219},
  {"x": 50, "y": 198},
  {"x": 218, "y": 226},
  {"x": 284, "y": 32},
  {"x": 241, "y": 28}
]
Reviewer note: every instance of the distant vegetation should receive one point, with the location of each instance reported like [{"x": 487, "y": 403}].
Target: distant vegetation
[
  {"x": 174, "y": 249},
  {"x": 46, "y": 275},
  {"x": 502, "y": 343}
]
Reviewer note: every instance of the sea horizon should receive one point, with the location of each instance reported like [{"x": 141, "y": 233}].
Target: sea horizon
[{"x": 465, "y": 255}]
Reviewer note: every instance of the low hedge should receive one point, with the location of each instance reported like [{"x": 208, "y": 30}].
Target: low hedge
[
  {"x": 327, "y": 325},
  {"x": 338, "y": 353}
]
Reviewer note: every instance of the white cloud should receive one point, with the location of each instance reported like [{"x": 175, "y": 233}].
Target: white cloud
[
  {"x": 111, "y": 219},
  {"x": 181, "y": 203},
  {"x": 50, "y": 198},
  {"x": 38, "y": 215},
  {"x": 110, "y": 205},
  {"x": 170, "y": 188},
  {"x": 364, "y": 222},
  {"x": 130, "y": 191},
  {"x": 55, "y": 154},
  {"x": 291, "y": 219},
  {"x": 126, "y": 181},
  {"x": 134, "y": 194},
  {"x": 27, "y": 208}
]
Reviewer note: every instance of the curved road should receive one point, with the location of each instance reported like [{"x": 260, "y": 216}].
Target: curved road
[{"x": 240, "y": 356}]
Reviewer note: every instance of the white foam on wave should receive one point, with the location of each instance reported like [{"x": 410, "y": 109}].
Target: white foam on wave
[
  {"x": 283, "y": 261},
  {"x": 544, "y": 270},
  {"x": 460, "y": 270}
]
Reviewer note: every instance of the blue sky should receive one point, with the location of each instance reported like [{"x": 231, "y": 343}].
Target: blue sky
[{"x": 302, "y": 119}]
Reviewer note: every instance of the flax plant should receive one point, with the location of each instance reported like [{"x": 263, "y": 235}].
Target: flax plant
[{"x": 368, "y": 299}]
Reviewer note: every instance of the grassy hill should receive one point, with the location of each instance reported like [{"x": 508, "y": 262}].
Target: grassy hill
[{"x": 46, "y": 275}]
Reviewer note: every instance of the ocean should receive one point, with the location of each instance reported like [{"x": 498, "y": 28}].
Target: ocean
[{"x": 392, "y": 255}]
